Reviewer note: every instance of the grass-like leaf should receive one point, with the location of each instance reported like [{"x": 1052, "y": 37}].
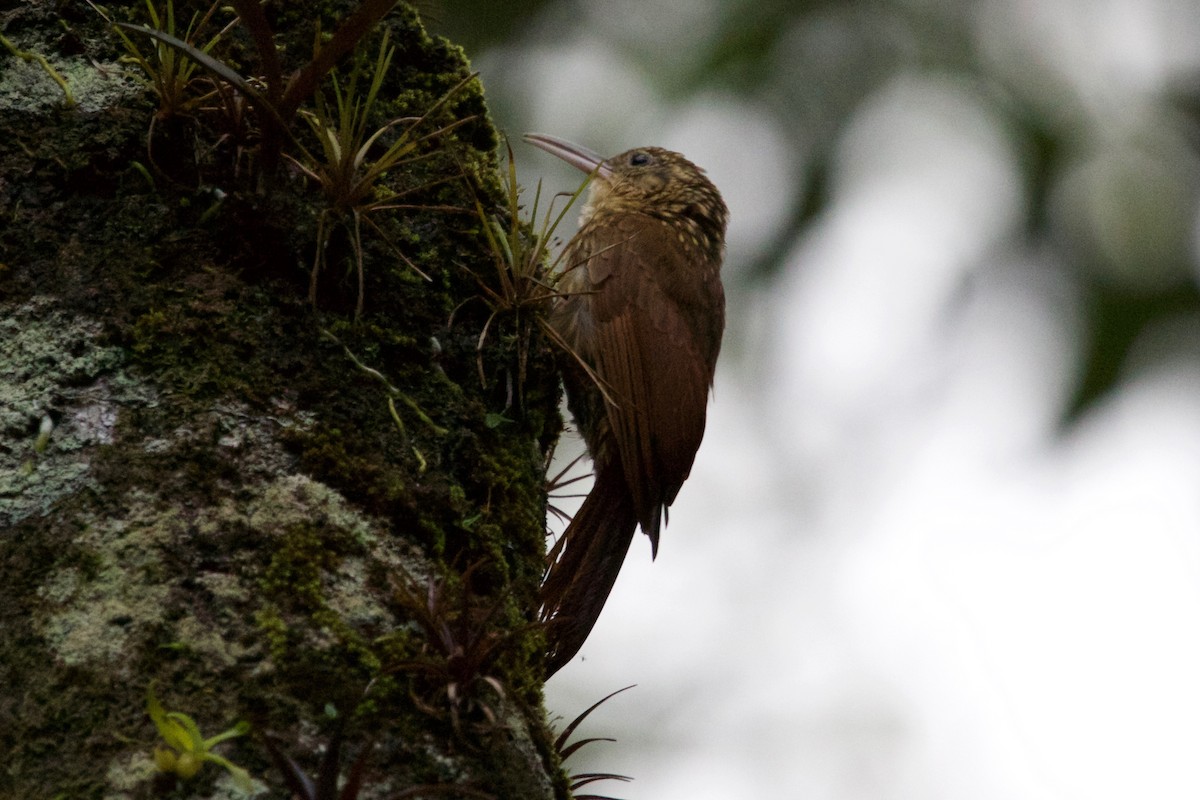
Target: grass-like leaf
[
  {"x": 217, "y": 67},
  {"x": 170, "y": 68},
  {"x": 524, "y": 274},
  {"x": 350, "y": 179},
  {"x": 566, "y": 750}
]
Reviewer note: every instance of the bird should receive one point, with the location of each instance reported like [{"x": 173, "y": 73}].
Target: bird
[{"x": 640, "y": 312}]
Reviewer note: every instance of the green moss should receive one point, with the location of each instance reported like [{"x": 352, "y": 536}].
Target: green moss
[
  {"x": 320, "y": 595},
  {"x": 274, "y": 631}
]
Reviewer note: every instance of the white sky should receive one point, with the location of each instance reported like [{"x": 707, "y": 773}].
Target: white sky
[{"x": 890, "y": 575}]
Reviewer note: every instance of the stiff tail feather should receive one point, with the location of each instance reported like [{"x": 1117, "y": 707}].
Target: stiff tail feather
[{"x": 589, "y": 557}]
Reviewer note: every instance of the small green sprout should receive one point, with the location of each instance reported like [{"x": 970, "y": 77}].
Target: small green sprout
[
  {"x": 187, "y": 749},
  {"x": 44, "y": 430}
]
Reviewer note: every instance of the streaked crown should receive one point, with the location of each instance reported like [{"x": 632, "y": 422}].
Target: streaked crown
[{"x": 663, "y": 184}]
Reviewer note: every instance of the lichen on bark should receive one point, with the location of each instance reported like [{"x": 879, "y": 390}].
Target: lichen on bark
[{"x": 212, "y": 488}]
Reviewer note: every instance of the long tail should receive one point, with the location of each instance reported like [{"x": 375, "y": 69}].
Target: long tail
[{"x": 591, "y": 552}]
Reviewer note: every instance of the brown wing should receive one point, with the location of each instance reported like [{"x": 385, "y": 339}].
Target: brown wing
[{"x": 653, "y": 351}]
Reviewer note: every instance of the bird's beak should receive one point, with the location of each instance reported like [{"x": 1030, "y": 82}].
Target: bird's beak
[{"x": 575, "y": 155}]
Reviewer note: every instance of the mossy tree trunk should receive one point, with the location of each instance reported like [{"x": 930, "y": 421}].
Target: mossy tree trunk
[{"x": 326, "y": 524}]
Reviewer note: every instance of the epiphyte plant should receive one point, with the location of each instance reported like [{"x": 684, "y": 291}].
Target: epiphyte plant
[
  {"x": 187, "y": 750},
  {"x": 524, "y": 273},
  {"x": 324, "y": 786},
  {"x": 276, "y": 100},
  {"x": 350, "y": 180},
  {"x": 461, "y": 648},
  {"x": 169, "y": 72},
  {"x": 566, "y": 749}
]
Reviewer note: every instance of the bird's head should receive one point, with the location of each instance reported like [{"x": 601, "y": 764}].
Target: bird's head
[{"x": 647, "y": 180}]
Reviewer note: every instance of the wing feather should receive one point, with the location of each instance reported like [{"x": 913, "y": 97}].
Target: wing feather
[{"x": 655, "y": 356}]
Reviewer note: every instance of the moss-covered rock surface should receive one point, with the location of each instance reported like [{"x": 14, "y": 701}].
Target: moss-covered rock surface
[{"x": 324, "y": 521}]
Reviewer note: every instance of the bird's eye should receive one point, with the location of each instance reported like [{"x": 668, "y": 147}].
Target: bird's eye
[{"x": 640, "y": 159}]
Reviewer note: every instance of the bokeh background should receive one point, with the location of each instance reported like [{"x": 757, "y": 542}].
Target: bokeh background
[{"x": 943, "y": 537}]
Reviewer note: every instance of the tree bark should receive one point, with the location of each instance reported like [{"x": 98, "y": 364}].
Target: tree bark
[{"x": 254, "y": 507}]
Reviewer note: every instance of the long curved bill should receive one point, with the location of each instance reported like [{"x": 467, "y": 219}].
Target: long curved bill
[{"x": 576, "y": 155}]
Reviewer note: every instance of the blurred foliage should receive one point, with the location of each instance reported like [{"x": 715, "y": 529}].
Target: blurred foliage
[
  {"x": 479, "y": 24},
  {"x": 1110, "y": 192}
]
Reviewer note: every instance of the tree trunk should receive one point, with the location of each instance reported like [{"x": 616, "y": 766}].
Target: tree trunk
[{"x": 253, "y": 507}]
